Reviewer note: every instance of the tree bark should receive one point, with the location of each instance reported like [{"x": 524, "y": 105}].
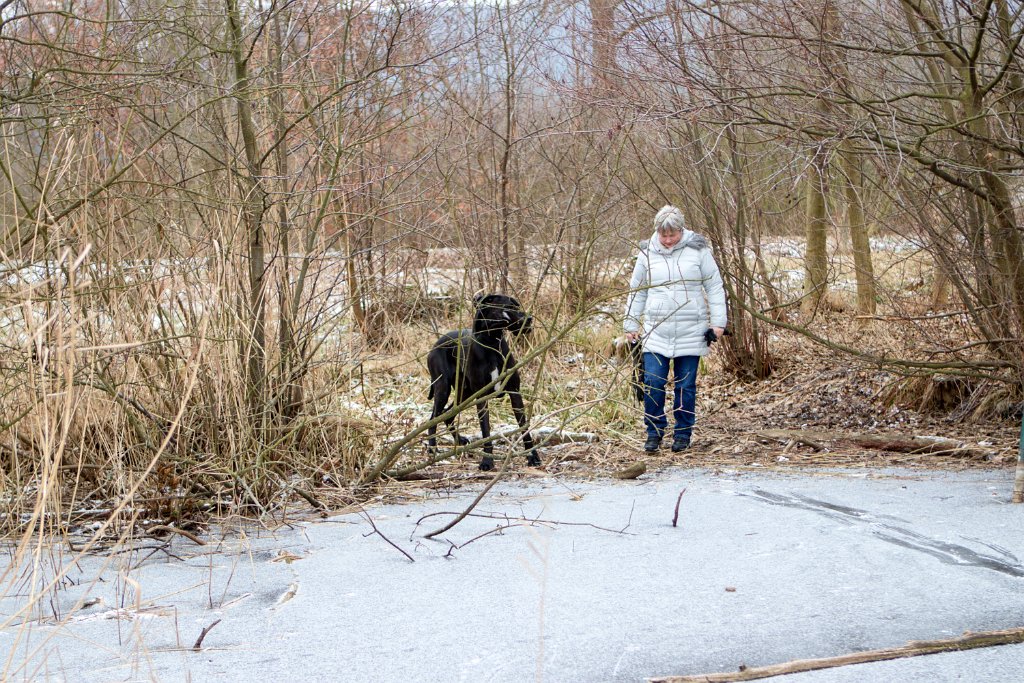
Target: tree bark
[
  {"x": 603, "y": 45},
  {"x": 864, "y": 268},
  {"x": 289, "y": 400},
  {"x": 253, "y": 207},
  {"x": 940, "y": 287},
  {"x": 816, "y": 228}
]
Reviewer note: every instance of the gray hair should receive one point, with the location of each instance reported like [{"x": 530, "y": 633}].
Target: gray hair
[{"x": 669, "y": 219}]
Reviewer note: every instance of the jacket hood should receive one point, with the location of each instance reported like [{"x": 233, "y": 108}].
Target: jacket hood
[{"x": 689, "y": 239}]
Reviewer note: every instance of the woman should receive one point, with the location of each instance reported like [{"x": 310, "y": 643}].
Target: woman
[{"x": 675, "y": 273}]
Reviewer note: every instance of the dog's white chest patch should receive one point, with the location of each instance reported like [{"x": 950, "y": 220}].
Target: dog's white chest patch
[{"x": 494, "y": 378}]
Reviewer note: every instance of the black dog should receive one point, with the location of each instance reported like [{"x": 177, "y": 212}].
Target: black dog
[{"x": 464, "y": 362}]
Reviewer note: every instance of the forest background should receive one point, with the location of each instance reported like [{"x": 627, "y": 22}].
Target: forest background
[{"x": 232, "y": 230}]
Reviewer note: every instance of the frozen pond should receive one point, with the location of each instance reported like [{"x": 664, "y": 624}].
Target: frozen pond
[{"x": 575, "y": 582}]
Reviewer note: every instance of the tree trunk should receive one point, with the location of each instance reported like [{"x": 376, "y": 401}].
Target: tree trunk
[
  {"x": 253, "y": 207},
  {"x": 865, "y": 272},
  {"x": 1007, "y": 244},
  {"x": 289, "y": 400},
  {"x": 746, "y": 350},
  {"x": 940, "y": 287},
  {"x": 816, "y": 227},
  {"x": 506, "y": 186},
  {"x": 603, "y": 44},
  {"x": 355, "y": 290}
]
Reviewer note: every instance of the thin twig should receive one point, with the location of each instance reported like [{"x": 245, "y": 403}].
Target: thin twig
[
  {"x": 630, "y": 519},
  {"x": 163, "y": 547},
  {"x": 465, "y": 513},
  {"x": 154, "y": 530},
  {"x": 308, "y": 497},
  {"x": 495, "y": 530},
  {"x": 199, "y": 640},
  {"x": 528, "y": 520},
  {"x": 675, "y": 516},
  {"x": 377, "y": 531}
]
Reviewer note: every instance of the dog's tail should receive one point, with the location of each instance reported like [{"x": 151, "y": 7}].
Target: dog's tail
[
  {"x": 430, "y": 391},
  {"x": 434, "y": 380}
]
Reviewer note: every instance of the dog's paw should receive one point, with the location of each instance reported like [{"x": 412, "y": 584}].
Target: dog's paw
[
  {"x": 463, "y": 440},
  {"x": 487, "y": 463},
  {"x": 533, "y": 460}
]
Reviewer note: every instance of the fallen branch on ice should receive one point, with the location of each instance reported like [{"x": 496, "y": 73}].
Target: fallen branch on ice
[
  {"x": 914, "y": 648},
  {"x": 896, "y": 443}
]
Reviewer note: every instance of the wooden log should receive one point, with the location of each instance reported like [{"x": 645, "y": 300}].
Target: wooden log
[
  {"x": 421, "y": 476},
  {"x": 894, "y": 443},
  {"x": 812, "y": 439},
  {"x": 915, "y": 444},
  {"x": 914, "y": 648},
  {"x": 551, "y": 436},
  {"x": 631, "y": 472}
]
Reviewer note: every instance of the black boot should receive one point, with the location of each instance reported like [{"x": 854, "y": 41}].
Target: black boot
[
  {"x": 680, "y": 443},
  {"x": 652, "y": 444}
]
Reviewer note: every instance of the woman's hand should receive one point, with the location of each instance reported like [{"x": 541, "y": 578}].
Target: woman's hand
[
  {"x": 632, "y": 336},
  {"x": 719, "y": 331}
]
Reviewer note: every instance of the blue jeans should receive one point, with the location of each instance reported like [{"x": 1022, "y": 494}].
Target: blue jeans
[{"x": 684, "y": 396}]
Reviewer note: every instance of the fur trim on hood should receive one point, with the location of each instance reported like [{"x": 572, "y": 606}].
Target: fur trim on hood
[{"x": 690, "y": 239}]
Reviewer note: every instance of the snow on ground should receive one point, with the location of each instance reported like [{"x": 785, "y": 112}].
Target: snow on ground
[{"x": 556, "y": 580}]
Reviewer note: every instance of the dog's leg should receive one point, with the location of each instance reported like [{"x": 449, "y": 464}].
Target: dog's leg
[
  {"x": 441, "y": 391},
  {"x": 487, "y": 462},
  {"x": 532, "y": 458},
  {"x": 459, "y": 438}
]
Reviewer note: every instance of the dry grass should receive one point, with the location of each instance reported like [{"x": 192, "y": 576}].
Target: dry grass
[{"x": 125, "y": 388}]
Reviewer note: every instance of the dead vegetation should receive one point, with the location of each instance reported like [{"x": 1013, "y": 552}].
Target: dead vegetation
[
  {"x": 156, "y": 432},
  {"x": 817, "y": 411}
]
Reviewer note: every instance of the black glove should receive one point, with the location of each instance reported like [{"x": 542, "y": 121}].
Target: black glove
[{"x": 710, "y": 338}]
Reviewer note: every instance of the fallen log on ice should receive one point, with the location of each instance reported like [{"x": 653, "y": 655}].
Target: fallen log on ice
[
  {"x": 894, "y": 443},
  {"x": 915, "y": 648}
]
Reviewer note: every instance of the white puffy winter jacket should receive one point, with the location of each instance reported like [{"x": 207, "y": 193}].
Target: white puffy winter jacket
[{"x": 667, "y": 295}]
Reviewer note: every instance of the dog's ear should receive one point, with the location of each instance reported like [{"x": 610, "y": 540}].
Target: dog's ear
[{"x": 491, "y": 299}]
